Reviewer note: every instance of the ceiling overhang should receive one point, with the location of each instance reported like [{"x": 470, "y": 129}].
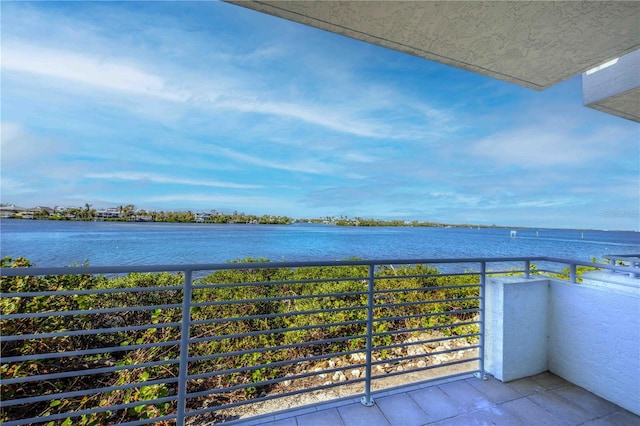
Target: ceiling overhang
[
  {"x": 614, "y": 88},
  {"x": 534, "y": 44}
]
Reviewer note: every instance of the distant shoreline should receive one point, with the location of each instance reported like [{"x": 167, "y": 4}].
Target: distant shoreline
[
  {"x": 344, "y": 222},
  {"x": 277, "y": 220}
]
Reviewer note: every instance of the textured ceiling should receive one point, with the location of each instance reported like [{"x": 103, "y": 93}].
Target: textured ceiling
[
  {"x": 533, "y": 44},
  {"x": 625, "y": 105}
]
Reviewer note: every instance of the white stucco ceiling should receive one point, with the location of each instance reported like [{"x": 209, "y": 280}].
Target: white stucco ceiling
[{"x": 530, "y": 43}]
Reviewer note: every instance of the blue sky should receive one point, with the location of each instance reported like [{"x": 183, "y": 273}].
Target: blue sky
[{"x": 200, "y": 106}]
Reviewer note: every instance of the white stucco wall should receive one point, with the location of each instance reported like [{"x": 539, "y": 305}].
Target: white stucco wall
[
  {"x": 516, "y": 343},
  {"x": 586, "y": 334},
  {"x": 594, "y": 340}
]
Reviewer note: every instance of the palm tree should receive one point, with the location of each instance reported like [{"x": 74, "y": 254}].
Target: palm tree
[
  {"x": 87, "y": 211},
  {"x": 128, "y": 211}
]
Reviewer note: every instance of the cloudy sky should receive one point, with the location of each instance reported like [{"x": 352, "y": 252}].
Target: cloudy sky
[{"x": 176, "y": 105}]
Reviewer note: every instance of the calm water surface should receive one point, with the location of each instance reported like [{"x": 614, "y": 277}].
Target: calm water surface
[{"x": 55, "y": 243}]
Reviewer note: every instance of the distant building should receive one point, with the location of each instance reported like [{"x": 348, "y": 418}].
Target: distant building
[
  {"x": 202, "y": 217},
  {"x": 109, "y": 213},
  {"x": 43, "y": 211},
  {"x": 10, "y": 210}
]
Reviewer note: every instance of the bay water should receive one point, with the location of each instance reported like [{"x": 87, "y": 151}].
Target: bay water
[{"x": 62, "y": 243}]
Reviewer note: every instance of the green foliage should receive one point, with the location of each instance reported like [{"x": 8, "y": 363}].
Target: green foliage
[{"x": 285, "y": 306}]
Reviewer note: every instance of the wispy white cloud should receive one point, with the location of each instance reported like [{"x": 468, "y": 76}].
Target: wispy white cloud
[
  {"x": 104, "y": 73},
  {"x": 213, "y": 90},
  {"x": 156, "y": 178},
  {"x": 304, "y": 166},
  {"x": 321, "y": 116},
  {"x": 264, "y": 204},
  {"x": 547, "y": 203}
]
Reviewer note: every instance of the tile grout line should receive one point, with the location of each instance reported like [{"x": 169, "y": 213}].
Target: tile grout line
[{"x": 541, "y": 406}]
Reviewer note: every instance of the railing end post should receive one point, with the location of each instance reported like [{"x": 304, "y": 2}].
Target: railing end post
[{"x": 481, "y": 375}]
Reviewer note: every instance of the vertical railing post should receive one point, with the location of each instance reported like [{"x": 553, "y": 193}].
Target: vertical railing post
[
  {"x": 572, "y": 273},
  {"x": 367, "y": 400},
  {"x": 184, "y": 348},
  {"x": 527, "y": 269},
  {"x": 483, "y": 282}
]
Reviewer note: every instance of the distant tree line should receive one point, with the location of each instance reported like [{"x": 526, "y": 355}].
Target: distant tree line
[{"x": 129, "y": 213}]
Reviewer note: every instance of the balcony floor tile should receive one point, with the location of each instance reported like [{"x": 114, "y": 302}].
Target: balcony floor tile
[
  {"x": 495, "y": 415},
  {"x": 359, "y": 415},
  {"x": 291, "y": 421},
  {"x": 495, "y": 390},
  {"x": 400, "y": 410},
  {"x": 328, "y": 417},
  {"x": 561, "y": 407},
  {"x": 436, "y": 404},
  {"x": 526, "y": 386},
  {"x": 528, "y": 411},
  {"x": 466, "y": 396},
  {"x": 550, "y": 381},
  {"x": 584, "y": 399},
  {"x": 544, "y": 399}
]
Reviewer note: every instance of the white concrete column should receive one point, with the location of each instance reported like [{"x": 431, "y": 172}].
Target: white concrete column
[{"x": 516, "y": 327}]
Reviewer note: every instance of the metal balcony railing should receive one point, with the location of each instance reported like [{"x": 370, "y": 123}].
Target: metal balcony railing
[{"x": 147, "y": 344}]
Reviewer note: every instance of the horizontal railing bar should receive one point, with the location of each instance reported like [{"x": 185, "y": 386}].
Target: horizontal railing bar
[
  {"x": 424, "y": 289},
  {"x": 430, "y": 367},
  {"x": 88, "y": 332},
  {"x": 404, "y": 344},
  {"x": 46, "y": 335},
  {"x": 278, "y": 379},
  {"x": 83, "y": 270},
  {"x": 89, "y": 312},
  {"x": 431, "y": 314},
  {"x": 277, "y": 299},
  {"x": 442, "y": 274},
  {"x": 79, "y": 413},
  {"x": 255, "y": 384},
  {"x": 270, "y": 397},
  {"x": 285, "y": 314},
  {"x": 151, "y": 420},
  {"x": 274, "y": 364},
  {"x": 426, "y": 355},
  {"x": 551, "y": 271},
  {"x": 275, "y": 283},
  {"x": 273, "y": 331},
  {"x": 435, "y": 327},
  {"x": 108, "y": 349},
  {"x": 93, "y": 270},
  {"x": 87, "y": 372},
  {"x": 64, "y": 395},
  {"x": 425, "y": 302},
  {"x": 49, "y": 293},
  {"x": 273, "y": 348},
  {"x": 507, "y": 273}
]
